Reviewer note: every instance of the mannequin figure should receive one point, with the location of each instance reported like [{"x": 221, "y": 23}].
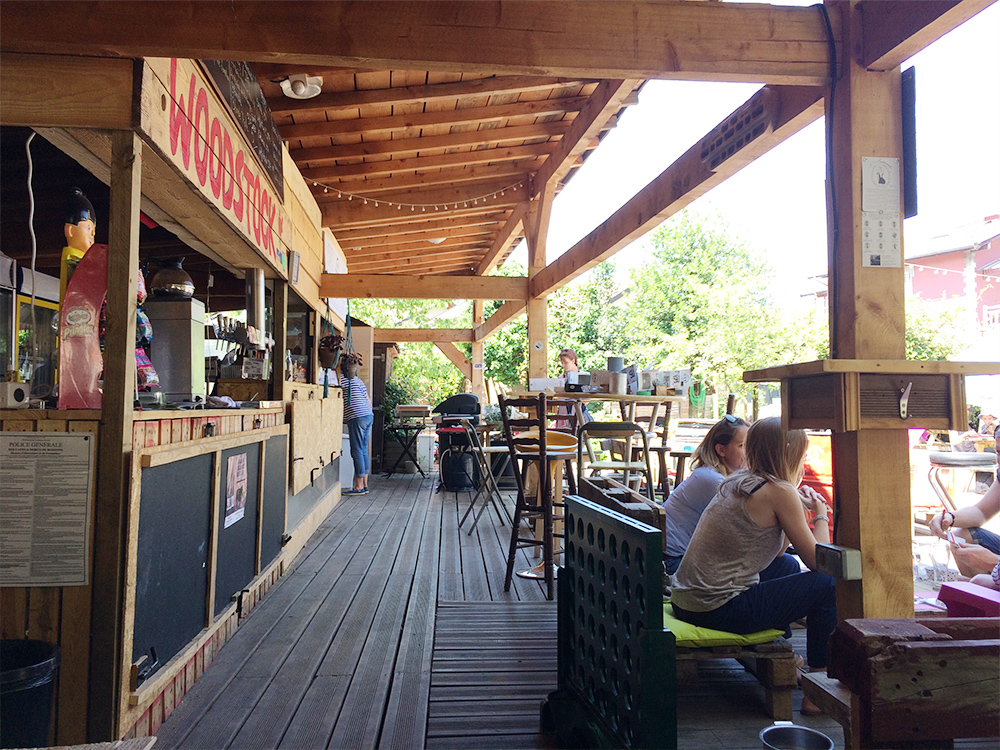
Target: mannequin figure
[{"x": 81, "y": 222}]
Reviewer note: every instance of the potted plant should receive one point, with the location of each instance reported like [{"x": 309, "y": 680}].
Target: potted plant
[{"x": 330, "y": 348}]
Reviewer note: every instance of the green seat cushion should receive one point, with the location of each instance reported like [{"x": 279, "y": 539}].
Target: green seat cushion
[{"x": 691, "y": 636}]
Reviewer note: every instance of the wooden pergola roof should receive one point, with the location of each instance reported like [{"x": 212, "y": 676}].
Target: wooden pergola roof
[{"x": 423, "y": 172}]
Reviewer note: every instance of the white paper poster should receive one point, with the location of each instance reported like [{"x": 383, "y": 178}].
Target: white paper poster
[
  {"x": 45, "y": 508},
  {"x": 880, "y": 240}
]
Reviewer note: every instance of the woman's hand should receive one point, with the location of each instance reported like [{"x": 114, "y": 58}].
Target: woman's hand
[
  {"x": 941, "y": 522},
  {"x": 812, "y": 500}
]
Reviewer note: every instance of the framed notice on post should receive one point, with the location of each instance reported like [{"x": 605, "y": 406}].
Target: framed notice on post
[{"x": 47, "y": 480}]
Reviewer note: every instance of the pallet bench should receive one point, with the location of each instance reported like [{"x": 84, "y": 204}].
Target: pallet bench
[{"x": 911, "y": 683}]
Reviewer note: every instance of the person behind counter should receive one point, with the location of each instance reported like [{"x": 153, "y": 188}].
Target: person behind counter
[
  {"x": 720, "y": 453},
  {"x": 568, "y": 360},
  {"x": 735, "y": 575},
  {"x": 358, "y": 415}
]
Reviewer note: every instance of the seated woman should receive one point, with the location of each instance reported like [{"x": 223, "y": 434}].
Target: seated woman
[
  {"x": 735, "y": 575},
  {"x": 720, "y": 454}
]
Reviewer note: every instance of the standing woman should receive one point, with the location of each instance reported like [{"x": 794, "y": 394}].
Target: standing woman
[
  {"x": 735, "y": 575},
  {"x": 358, "y": 416},
  {"x": 720, "y": 453}
]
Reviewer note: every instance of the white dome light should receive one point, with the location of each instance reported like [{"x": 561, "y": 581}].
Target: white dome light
[{"x": 300, "y": 86}]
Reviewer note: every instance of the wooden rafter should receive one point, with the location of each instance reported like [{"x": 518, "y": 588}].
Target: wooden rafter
[
  {"x": 344, "y": 213},
  {"x": 426, "y": 266},
  {"x": 477, "y": 232},
  {"x": 321, "y": 154},
  {"x": 588, "y": 38},
  {"x": 895, "y": 30},
  {"x": 423, "y": 163},
  {"x": 430, "y": 335},
  {"x": 387, "y": 286},
  {"x": 428, "y": 228},
  {"x": 503, "y": 315},
  {"x": 370, "y": 126},
  {"x": 445, "y": 251},
  {"x": 420, "y": 94},
  {"x": 456, "y": 356},
  {"x": 504, "y": 239},
  {"x": 673, "y": 189},
  {"x": 443, "y": 177}
]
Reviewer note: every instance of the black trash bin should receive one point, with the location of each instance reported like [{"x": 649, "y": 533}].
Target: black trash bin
[{"x": 27, "y": 679}]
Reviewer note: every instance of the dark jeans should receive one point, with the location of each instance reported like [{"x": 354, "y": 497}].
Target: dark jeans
[
  {"x": 672, "y": 562},
  {"x": 360, "y": 430},
  {"x": 783, "y": 595},
  {"x": 987, "y": 539}
]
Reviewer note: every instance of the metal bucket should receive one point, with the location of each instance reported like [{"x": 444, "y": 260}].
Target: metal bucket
[{"x": 784, "y": 735}]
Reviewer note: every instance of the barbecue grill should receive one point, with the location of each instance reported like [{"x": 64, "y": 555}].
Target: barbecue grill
[{"x": 456, "y": 464}]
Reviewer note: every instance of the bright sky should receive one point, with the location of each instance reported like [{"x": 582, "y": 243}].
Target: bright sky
[{"x": 777, "y": 204}]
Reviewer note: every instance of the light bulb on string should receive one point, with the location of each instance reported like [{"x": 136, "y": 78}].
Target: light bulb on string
[
  {"x": 350, "y": 197},
  {"x": 326, "y": 190}
]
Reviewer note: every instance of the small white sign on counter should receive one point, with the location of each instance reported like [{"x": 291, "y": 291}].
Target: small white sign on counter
[{"x": 47, "y": 480}]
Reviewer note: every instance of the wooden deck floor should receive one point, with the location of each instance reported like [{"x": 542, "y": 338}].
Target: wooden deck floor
[{"x": 392, "y": 630}]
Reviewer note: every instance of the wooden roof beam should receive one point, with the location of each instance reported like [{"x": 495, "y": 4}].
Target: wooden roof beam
[
  {"x": 512, "y": 229},
  {"x": 473, "y": 184},
  {"x": 448, "y": 235},
  {"x": 421, "y": 94},
  {"x": 459, "y": 248},
  {"x": 677, "y": 186},
  {"x": 603, "y": 105},
  {"x": 371, "y": 125},
  {"x": 458, "y": 359},
  {"x": 583, "y": 38},
  {"x": 405, "y": 146},
  {"x": 396, "y": 286},
  {"x": 895, "y": 30},
  {"x": 420, "y": 335},
  {"x": 504, "y": 314}
]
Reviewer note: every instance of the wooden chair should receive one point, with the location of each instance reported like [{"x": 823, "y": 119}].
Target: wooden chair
[
  {"x": 624, "y": 433},
  {"x": 532, "y": 442},
  {"x": 647, "y": 414}
]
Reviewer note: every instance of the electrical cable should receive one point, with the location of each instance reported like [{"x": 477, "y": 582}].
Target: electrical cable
[{"x": 832, "y": 47}]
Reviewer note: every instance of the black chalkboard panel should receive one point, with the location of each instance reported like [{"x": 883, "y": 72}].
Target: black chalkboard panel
[
  {"x": 273, "y": 508},
  {"x": 234, "y": 564},
  {"x": 175, "y": 507},
  {"x": 238, "y": 86}
]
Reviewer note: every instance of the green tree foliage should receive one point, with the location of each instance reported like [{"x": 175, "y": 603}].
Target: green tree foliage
[{"x": 935, "y": 330}]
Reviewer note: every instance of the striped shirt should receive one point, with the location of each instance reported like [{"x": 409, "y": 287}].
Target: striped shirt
[{"x": 356, "y": 403}]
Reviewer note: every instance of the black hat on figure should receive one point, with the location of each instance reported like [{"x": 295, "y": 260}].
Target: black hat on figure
[{"x": 78, "y": 208}]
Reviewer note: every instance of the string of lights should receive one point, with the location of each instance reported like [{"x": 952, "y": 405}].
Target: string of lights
[
  {"x": 437, "y": 206},
  {"x": 918, "y": 267}
]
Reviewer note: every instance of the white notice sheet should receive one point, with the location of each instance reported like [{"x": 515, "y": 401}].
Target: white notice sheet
[{"x": 45, "y": 508}]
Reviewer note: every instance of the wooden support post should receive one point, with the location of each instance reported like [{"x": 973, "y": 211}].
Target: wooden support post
[
  {"x": 280, "y": 341},
  {"x": 536, "y": 234},
  {"x": 115, "y": 436},
  {"x": 478, "y": 381},
  {"x": 870, "y": 467}
]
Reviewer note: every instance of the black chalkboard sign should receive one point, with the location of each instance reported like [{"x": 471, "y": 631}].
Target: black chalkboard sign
[
  {"x": 238, "y": 85},
  {"x": 175, "y": 507},
  {"x": 237, "y": 553},
  {"x": 272, "y": 524}
]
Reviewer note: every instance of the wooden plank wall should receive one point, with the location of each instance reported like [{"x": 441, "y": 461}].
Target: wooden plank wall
[
  {"x": 307, "y": 238},
  {"x": 56, "y": 614}
]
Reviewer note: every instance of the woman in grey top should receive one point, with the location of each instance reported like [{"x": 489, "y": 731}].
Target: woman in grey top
[
  {"x": 722, "y": 452},
  {"x": 735, "y": 575}
]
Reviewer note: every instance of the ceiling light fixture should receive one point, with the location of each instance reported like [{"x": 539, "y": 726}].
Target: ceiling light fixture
[
  {"x": 436, "y": 240},
  {"x": 301, "y": 86}
]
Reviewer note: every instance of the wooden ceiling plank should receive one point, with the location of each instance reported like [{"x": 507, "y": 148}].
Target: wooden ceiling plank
[
  {"x": 605, "y": 102},
  {"x": 511, "y": 230},
  {"x": 583, "y": 38},
  {"x": 421, "y": 335},
  {"x": 394, "y": 286},
  {"x": 459, "y": 247},
  {"x": 344, "y": 213},
  {"x": 479, "y": 231},
  {"x": 392, "y": 218},
  {"x": 411, "y": 264},
  {"x": 677, "y": 186},
  {"x": 895, "y": 30},
  {"x": 432, "y": 227},
  {"x": 422, "y": 163},
  {"x": 373, "y": 125},
  {"x": 508, "y": 171},
  {"x": 458, "y": 359},
  {"x": 417, "y": 94},
  {"x": 319, "y": 155}
]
